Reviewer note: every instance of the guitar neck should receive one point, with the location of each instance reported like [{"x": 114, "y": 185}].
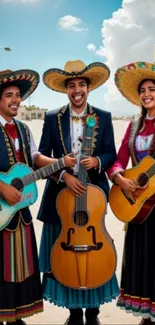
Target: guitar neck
[
  {"x": 43, "y": 172},
  {"x": 81, "y": 201},
  {"x": 151, "y": 171},
  {"x": 86, "y": 152}
]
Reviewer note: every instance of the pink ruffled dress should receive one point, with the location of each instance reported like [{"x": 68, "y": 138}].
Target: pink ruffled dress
[{"x": 138, "y": 267}]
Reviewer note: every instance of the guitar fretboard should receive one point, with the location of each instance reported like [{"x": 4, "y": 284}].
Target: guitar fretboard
[
  {"x": 81, "y": 203},
  {"x": 43, "y": 172},
  {"x": 151, "y": 171}
]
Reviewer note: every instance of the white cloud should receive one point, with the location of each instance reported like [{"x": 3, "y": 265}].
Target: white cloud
[
  {"x": 71, "y": 22},
  {"x": 91, "y": 47},
  {"x": 127, "y": 37}
]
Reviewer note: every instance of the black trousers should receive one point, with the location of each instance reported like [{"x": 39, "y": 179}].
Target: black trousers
[{"x": 77, "y": 313}]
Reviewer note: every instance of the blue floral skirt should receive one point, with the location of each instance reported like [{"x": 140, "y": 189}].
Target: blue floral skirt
[{"x": 63, "y": 296}]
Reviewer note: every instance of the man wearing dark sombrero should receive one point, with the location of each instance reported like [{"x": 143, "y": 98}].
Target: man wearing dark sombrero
[
  {"x": 63, "y": 133},
  {"x": 20, "y": 286},
  {"x": 136, "y": 82}
]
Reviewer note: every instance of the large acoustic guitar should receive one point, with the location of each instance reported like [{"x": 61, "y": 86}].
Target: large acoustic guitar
[
  {"x": 135, "y": 208},
  {"x": 23, "y": 178},
  {"x": 83, "y": 256}
]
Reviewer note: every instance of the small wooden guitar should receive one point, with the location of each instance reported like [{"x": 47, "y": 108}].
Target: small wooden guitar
[
  {"x": 22, "y": 177},
  {"x": 132, "y": 208},
  {"x": 83, "y": 256}
]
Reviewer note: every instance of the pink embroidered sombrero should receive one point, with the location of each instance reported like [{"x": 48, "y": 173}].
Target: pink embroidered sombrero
[
  {"x": 98, "y": 73},
  {"x": 26, "y": 80},
  {"x": 128, "y": 78}
]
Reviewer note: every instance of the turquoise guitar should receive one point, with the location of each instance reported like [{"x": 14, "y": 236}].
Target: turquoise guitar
[{"x": 23, "y": 178}]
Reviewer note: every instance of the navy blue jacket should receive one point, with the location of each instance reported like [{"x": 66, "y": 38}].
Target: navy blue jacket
[{"x": 56, "y": 141}]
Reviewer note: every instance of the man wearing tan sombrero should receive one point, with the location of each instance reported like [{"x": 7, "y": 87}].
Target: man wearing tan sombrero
[
  {"x": 63, "y": 133},
  {"x": 20, "y": 286}
]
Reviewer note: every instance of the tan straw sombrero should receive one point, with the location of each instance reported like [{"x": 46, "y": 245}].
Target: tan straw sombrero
[
  {"x": 128, "y": 78},
  {"x": 98, "y": 73},
  {"x": 26, "y": 80}
]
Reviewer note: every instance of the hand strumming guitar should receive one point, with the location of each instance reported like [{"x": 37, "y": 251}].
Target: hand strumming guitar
[
  {"x": 10, "y": 193},
  {"x": 128, "y": 185}
]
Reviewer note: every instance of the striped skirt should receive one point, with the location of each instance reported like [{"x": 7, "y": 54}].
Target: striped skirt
[
  {"x": 63, "y": 296},
  {"x": 20, "y": 286},
  {"x": 137, "y": 294}
]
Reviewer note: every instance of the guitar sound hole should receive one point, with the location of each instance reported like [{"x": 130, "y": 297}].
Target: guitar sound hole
[
  {"x": 142, "y": 180},
  {"x": 80, "y": 218},
  {"x": 18, "y": 184}
]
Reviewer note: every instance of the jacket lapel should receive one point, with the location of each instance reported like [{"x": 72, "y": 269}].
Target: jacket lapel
[{"x": 64, "y": 129}]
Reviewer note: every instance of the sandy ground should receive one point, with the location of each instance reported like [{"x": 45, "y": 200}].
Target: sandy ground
[{"x": 109, "y": 313}]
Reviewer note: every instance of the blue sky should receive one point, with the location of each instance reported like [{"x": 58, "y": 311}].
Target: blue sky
[{"x": 44, "y": 34}]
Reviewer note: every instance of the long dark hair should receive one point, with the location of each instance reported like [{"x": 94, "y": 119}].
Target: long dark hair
[{"x": 143, "y": 109}]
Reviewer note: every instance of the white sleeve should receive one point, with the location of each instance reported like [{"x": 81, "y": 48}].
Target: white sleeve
[{"x": 33, "y": 147}]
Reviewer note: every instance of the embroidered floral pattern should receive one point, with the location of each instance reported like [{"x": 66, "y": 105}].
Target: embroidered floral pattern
[
  {"x": 11, "y": 153},
  {"x": 128, "y": 78},
  {"x": 92, "y": 120},
  {"x": 62, "y": 111},
  {"x": 23, "y": 144},
  {"x": 137, "y": 305}
]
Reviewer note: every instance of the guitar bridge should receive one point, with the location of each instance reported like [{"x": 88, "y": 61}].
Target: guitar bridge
[{"x": 81, "y": 248}]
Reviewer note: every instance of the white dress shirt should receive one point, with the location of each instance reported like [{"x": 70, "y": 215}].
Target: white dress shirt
[{"x": 76, "y": 131}]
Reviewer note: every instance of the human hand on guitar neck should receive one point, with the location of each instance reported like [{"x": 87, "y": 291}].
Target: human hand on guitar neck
[
  {"x": 74, "y": 183},
  {"x": 70, "y": 160},
  {"x": 90, "y": 162},
  {"x": 129, "y": 186},
  {"x": 12, "y": 196}
]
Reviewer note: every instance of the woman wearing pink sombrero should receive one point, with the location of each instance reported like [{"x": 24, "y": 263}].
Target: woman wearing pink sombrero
[{"x": 136, "y": 82}]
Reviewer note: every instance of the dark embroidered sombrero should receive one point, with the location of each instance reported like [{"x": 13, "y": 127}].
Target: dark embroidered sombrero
[
  {"x": 26, "y": 80},
  {"x": 98, "y": 73},
  {"x": 128, "y": 78}
]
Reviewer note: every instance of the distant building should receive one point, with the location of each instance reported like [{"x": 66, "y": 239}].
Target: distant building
[{"x": 25, "y": 113}]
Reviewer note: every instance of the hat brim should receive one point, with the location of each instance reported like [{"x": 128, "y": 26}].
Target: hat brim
[
  {"x": 26, "y": 80},
  {"x": 97, "y": 73},
  {"x": 128, "y": 78}
]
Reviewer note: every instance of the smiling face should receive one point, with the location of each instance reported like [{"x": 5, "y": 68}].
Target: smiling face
[
  {"x": 147, "y": 96},
  {"x": 77, "y": 91},
  {"x": 10, "y": 100}
]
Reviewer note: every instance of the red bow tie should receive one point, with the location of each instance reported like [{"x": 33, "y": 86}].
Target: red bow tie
[{"x": 11, "y": 129}]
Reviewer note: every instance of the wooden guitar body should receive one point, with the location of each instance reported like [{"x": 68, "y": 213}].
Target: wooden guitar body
[
  {"x": 137, "y": 209},
  {"x": 83, "y": 256}
]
